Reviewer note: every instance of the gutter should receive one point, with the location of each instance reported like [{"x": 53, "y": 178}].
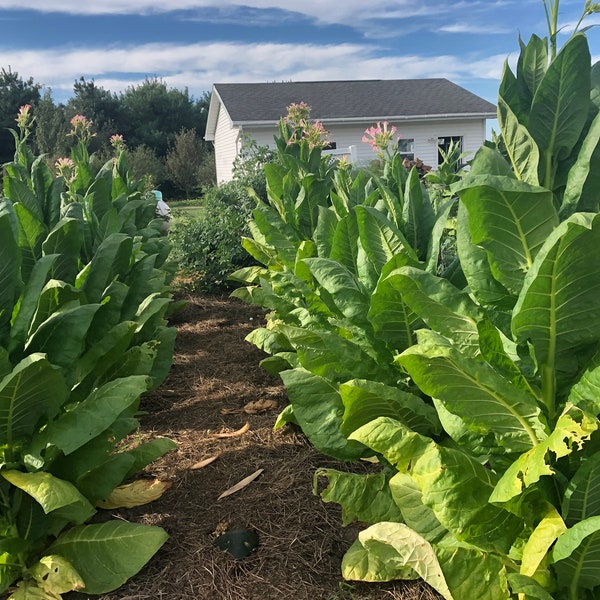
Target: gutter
[{"x": 368, "y": 120}]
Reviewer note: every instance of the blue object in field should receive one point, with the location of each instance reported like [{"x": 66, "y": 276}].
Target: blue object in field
[{"x": 157, "y": 194}]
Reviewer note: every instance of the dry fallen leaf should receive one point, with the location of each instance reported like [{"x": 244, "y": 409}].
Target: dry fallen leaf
[
  {"x": 135, "y": 494},
  {"x": 204, "y": 463},
  {"x": 252, "y": 408},
  {"x": 242, "y": 484},
  {"x": 240, "y": 431},
  {"x": 260, "y": 406}
]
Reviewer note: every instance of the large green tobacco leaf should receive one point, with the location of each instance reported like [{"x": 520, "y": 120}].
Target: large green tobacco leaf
[
  {"x": 19, "y": 193},
  {"x": 112, "y": 259},
  {"x": 65, "y": 241},
  {"x": 380, "y": 238},
  {"x": 277, "y": 233},
  {"x": 318, "y": 409},
  {"x": 325, "y": 230},
  {"x": 53, "y": 495},
  {"x": 579, "y": 172},
  {"x": 531, "y": 68},
  {"x": 436, "y": 234},
  {"x": 511, "y": 220},
  {"x": 443, "y": 307},
  {"x": 92, "y": 416},
  {"x": 108, "y": 554},
  {"x": 345, "y": 242},
  {"x": 523, "y": 584},
  {"x": 366, "y": 400},
  {"x": 582, "y": 496},
  {"x": 471, "y": 573},
  {"x": 573, "y": 428},
  {"x": 576, "y": 555},
  {"x": 10, "y": 259},
  {"x": 522, "y": 149},
  {"x": 334, "y": 357},
  {"x": 62, "y": 335},
  {"x": 484, "y": 400},
  {"x": 346, "y": 292},
  {"x": 28, "y": 302},
  {"x": 397, "y": 547},
  {"x": 393, "y": 321},
  {"x": 408, "y": 496},
  {"x": 560, "y": 105},
  {"x": 557, "y": 310},
  {"x": 364, "y": 498},
  {"x": 32, "y": 233},
  {"x": 417, "y": 214},
  {"x": 455, "y": 486},
  {"x": 33, "y": 388},
  {"x": 476, "y": 268}
]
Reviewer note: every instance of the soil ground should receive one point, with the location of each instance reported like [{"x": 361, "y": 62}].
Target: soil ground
[{"x": 215, "y": 374}]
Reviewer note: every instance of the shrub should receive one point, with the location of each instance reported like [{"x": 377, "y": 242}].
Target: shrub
[{"x": 208, "y": 247}]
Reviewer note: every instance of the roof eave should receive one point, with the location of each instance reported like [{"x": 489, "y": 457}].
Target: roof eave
[{"x": 395, "y": 119}]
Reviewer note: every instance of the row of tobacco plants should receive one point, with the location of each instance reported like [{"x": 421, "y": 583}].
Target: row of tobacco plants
[
  {"x": 84, "y": 296},
  {"x": 473, "y": 381}
]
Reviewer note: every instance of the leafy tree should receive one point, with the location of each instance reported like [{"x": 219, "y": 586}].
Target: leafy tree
[
  {"x": 185, "y": 159},
  {"x": 100, "y": 106},
  {"x": 155, "y": 114},
  {"x": 145, "y": 165},
  {"x": 51, "y": 127},
  {"x": 14, "y": 92}
]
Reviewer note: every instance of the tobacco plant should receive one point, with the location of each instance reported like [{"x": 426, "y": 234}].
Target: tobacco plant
[
  {"x": 504, "y": 502},
  {"x": 475, "y": 387},
  {"x": 83, "y": 298},
  {"x": 325, "y": 238}
]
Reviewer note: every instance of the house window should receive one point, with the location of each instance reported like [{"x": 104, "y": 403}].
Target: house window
[
  {"x": 330, "y": 146},
  {"x": 406, "y": 148},
  {"x": 444, "y": 144}
]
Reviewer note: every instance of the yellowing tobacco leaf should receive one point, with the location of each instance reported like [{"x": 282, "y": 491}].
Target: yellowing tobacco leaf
[{"x": 135, "y": 494}]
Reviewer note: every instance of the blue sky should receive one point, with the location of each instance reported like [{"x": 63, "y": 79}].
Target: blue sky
[{"x": 195, "y": 43}]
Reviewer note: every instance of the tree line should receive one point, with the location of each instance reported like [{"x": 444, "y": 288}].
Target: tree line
[{"x": 163, "y": 127}]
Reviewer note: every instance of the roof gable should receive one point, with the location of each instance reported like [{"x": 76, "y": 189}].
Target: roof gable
[{"x": 351, "y": 100}]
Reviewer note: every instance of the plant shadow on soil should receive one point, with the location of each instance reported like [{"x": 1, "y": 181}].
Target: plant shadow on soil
[{"x": 301, "y": 538}]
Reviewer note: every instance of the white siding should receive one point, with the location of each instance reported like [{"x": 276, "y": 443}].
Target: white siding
[
  {"x": 226, "y": 146},
  {"x": 424, "y": 133}
]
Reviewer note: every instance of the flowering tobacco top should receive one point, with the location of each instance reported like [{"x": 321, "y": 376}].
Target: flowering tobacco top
[
  {"x": 117, "y": 141},
  {"x": 380, "y": 138},
  {"x": 66, "y": 169},
  {"x": 313, "y": 132},
  {"x": 82, "y": 128},
  {"x": 24, "y": 118}
]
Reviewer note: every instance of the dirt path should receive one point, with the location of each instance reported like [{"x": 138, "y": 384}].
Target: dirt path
[{"x": 301, "y": 541}]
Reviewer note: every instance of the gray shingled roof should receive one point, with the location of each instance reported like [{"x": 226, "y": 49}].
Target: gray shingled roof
[{"x": 368, "y": 99}]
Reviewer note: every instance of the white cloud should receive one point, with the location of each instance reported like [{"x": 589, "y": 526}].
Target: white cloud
[
  {"x": 198, "y": 66},
  {"x": 476, "y": 29},
  {"x": 350, "y": 12}
]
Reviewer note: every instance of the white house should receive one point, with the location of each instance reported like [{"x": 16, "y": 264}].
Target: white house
[{"x": 429, "y": 114}]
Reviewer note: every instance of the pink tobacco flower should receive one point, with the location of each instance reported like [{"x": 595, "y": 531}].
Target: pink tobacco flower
[
  {"x": 82, "y": 128},
  {"x": 24, "y": 118},
  {"x": 313, "y": 132},
  {"x": 380, "y": 138},
  {"x": 66, "y": 169},
  {"x": 117, "y": 141}
]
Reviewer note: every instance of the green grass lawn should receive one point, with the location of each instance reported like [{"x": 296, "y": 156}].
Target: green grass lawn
[{"x": 186, "y": 208}]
